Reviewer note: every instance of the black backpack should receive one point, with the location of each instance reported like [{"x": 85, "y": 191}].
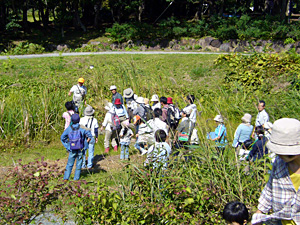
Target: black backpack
[
  {"x": 172, "y": 119},
  {"x": 148, "y": 114}
]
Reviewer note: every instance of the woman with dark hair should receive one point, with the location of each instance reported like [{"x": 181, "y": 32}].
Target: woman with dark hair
[{"x": 259, "y": 148}]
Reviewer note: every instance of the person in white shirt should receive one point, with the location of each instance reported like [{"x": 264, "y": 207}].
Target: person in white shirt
[
  {"x": 110, "y": 134},
  {"x": 156, "y": 103},
  {"x": 157, "y": 124},
  {"x": 262, "y": 116},
  {"x": 79, "y": 92},
  {"x": 192, "y": 107},
  {"x": 89, "y": 122}
]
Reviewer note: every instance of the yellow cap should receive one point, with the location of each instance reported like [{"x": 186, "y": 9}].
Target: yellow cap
[{"x": 81, "y": 80}]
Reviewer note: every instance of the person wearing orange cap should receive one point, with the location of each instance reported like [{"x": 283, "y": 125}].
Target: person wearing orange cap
[{"x": 79, "y": 92}]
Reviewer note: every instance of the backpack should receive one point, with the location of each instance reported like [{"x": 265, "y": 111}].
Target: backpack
[
  {"x": 76, "y": 140},
  {"x": 173, "y": 116},
  {"x": 148, "y": 114},
  {"x": 116, "y": 124}
]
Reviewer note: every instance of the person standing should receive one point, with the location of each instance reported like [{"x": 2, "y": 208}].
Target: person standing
[
  {"x": 262, "y": 116},
  {"x": 130, "y": 98},
  {"x": 91, "y": 124},
  {"x": 115, "y": 95},
  {"x": 193, "y": 107},
  {"x": 79, "y": 92},
  {"x": 73, "y": 140},
  {"x": 156, "y": 103},
  {"x": 67, "y": 115}
]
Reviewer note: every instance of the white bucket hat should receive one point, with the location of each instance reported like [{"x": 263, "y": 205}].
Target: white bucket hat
[
  {"x": 219, "y": 119},
  {"x": 154, "y": 98},
  {"x": 187, "y": 111},
  {"x": 128, "y": 93},
  {"x": 140, "y": 100},
  {"x": 108, "y": 106},
  {"x": 89, "y": 111},
  {"x": 247, "y": 118},
  {"x": 113, "y": 87},
  {"x": 268, "y": 125},
  {"x": 285, "y": 137}
]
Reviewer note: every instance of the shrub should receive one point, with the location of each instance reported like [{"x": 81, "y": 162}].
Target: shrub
[{"x": 25, "y": 48}]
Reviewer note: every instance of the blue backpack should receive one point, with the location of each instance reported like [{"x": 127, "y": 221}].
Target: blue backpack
[{"x": 76, "y": 140}]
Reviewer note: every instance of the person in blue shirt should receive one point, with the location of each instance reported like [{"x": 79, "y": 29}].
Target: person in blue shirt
[
  {"x": 74, "y": 154},
  {"x": 220, "y": 134},
  {"x": 259, "y": 148}
]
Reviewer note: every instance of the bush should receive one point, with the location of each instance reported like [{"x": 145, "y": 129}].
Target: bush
[{"x": 25, "y": 48}]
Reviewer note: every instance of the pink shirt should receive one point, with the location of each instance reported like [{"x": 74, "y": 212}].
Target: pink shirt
[{"x": 67, "y": 115}]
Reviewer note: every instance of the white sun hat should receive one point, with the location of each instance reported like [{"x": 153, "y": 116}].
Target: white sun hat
[
  {"x": 285, "y": 137},
  {"x": 108, "y": 106},
  {"x": 140, "y": 100},
  {"x": 219, "y": 119},
  {"x": 247, "y": 118},
  {"x": 154, "y": 98},
  {"x": 113, "y": 87}
]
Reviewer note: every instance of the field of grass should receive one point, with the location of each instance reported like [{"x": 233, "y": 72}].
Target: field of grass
[{"x": 32, "y": 97}]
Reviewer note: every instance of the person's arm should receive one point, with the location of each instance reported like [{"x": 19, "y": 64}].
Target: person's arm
[
  {"x": 237, "y": 135},
  {"x": 221, "y": 131},
  {"x": 96, "y": 134},
  {"x": 126, "y": 114},
  {"x": 65, "y": 139}
]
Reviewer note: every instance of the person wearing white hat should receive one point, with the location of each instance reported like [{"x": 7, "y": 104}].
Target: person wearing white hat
[
  {"x": 156, "y": 103},
  {"x": 279, "y": 200},
  {"x": 140, "y": 110},
  {"x": 220, "y": 134},
  {"x": 89, "y": 122},
  {"x": 115, "y": 95},
  {"x": 242, "y": 135}
]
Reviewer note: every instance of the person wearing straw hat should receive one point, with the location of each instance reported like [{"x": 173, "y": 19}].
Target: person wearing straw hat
[
  {"x": 79, "y": 92},
  {"x": 279, "y": 202},
  {"x": 219, "y": 136},
  {"x": 115, "y": 95},
  {"x": 89, "y": 122},
  {"x": 156, "y": 103},
  {"x": 110, "y": 133},
  {"x": 242, "y": 135}
]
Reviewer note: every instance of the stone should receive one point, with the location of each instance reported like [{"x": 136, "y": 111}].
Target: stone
[
  {"x": 95, "y": 42},
  {"x": 239, "y": 49},
  {"x": 114, "y": 46},
  {"x": 143, "y": 48},
  {"x": 258, "y": 49},
  {"x": 216, "y": 43},
  {"x": 62, "y": 47},
  {"x": 233, "y": 43},
  {"x": 176, "y": 47},
  {"x": 225, "y": 47},
  {"x": 208, "y": 40}
]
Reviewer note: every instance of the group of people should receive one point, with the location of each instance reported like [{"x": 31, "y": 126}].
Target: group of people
[{"x": 158, "y": 132}]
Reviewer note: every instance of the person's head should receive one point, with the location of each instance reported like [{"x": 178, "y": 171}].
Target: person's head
[
  {"x": 140, "y": 100},
  {"x": 169, "y": 100},
  {"x": 285, "y": 139},
  {"x": 113, "y": 89},
  {"x": 118, "y": 103},
  {"x": 261, "y": 105},
  {"x": 259, "y": 131},
  {"x": 89, "y": 111},
  {"x": 80, "y": 81},
  {"x": 157, "y": 112},
  {"x": 128, "y": 93},
  {"x": 186, "y": 112},
  {"x": 146, "y": 101},
  {"x": 69, "y": 105},
  {"x": 219, "y": 119},
  {"x": 235, "y": 213},
  {"x": 154, "y": 98},
  {"x": 247, "y": 118},
  {"x": 163, "y": 100},
  {"x": 75, "y": 118},
  {"x": 190, "y": 98},
  {"x": 160, "y": 136}
]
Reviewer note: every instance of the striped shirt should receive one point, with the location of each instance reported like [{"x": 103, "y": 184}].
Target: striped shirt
[{"x": 279, "y": 195}]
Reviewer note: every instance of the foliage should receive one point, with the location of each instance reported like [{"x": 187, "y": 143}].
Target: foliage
[
  {"x": 23, "y": 48},
  {"x": 30, "y": 188}
]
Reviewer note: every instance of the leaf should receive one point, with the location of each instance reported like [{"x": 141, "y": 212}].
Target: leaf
[
  {"x": 115, "y": 205},
  {"x": 188, "y": 201},
  {"x": 81, "y": 209},
  {"x": 37, "y": 174},
  {"x": 13, "y": 196}
]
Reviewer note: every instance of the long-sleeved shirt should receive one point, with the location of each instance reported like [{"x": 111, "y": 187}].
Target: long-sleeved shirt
[
  {"x": 121, "y": 111},
  {"x": 67, "y": 115},
  {"x": 242, "y": 133},
  {"x": 158, "y": 154},
  {"x": 115, "y": 96},
  {"x": 280, "y": 196},
  {"x": 261, "y": 118},
  {"x": 259, "y": 149},
  {"x": 140, "y": 110},
  {"x": 165, "y": 113},
  {"x": 193, "y": 115},
  {"x": 65, "y": 135},
  {"x": 220, "y": 131},
  {"x": 158, "y": 124}
]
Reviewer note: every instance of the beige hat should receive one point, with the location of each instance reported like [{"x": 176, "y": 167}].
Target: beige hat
[
  {"x": 285, "y": 137},
  {"x": 128, "y": 93},
  {"x": 146, "y": 101},
  {"x": 140, "y": 100},
  {"x": 219, "y": 119},
  {"x": 108, "y": 106},
  {"x": 247, "y": 118},
  {"x": 89, "y": 111},
  {"x": 113, "y": 87}
]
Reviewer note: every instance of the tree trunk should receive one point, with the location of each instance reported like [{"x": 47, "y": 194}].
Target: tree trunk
[
  {"x": 141, "y": 10},
  {"x": 25, "y": 19},
  {"x": 2, "y": 16},
  {"x": 33, "y": 15},
  {"x": 77, "y": 17},
  {"x": 42, "y": 14},
  {"x": 97, "y": 14}
]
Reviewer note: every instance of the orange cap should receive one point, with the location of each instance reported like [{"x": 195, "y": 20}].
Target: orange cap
[{"x": 81, "y": 80}]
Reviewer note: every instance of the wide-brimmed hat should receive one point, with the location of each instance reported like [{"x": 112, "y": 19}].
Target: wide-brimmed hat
[
  {"x": 169, "y": 100},
  {"x": 268, "y": 125},
  {"x": 128, "y": 93},
  {"x": 187, "y": 111},
  {"x": 108, "y": 106},
  {"x": 154, "y": 98},
  {"x": 113, "y": 87},
  {"x": 219, "y": 119},
  {"x": 285, "y": 137},
  {"x": 75, "y": 118},
  {"x": 118, "y": 101},
  {"x": 247, "y": 118},
  {"x": 89, "y": 111},
  {"x": 140, "y": 100}
]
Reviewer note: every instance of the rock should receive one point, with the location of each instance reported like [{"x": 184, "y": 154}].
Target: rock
[
  {"x": 84, "y": 45},
  {"x": 208, "y": 40},
  {"x": 114, "y": 46},
  {"x": 192, "y": 42},
  {"x": 176, "y": 47},
  {"x": 216, "y": 43},
  {"x": 173, "y": 42},
  {"x": 233, "y": 43},
  {"x": 95, "y": 42},
  {"x": 184, "y": 41},
  {"x": 62, "y": 47},
  {"x": 143, "y": 48},
  {"x": 258, "y": 49},
  {"x": 243, "y": 44},
  {"x": 278, "y": 48},
  {"x": 138, "y": 42},
  {"x": 239, "y": 49},
  {"x": 225, "y": 47}
]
